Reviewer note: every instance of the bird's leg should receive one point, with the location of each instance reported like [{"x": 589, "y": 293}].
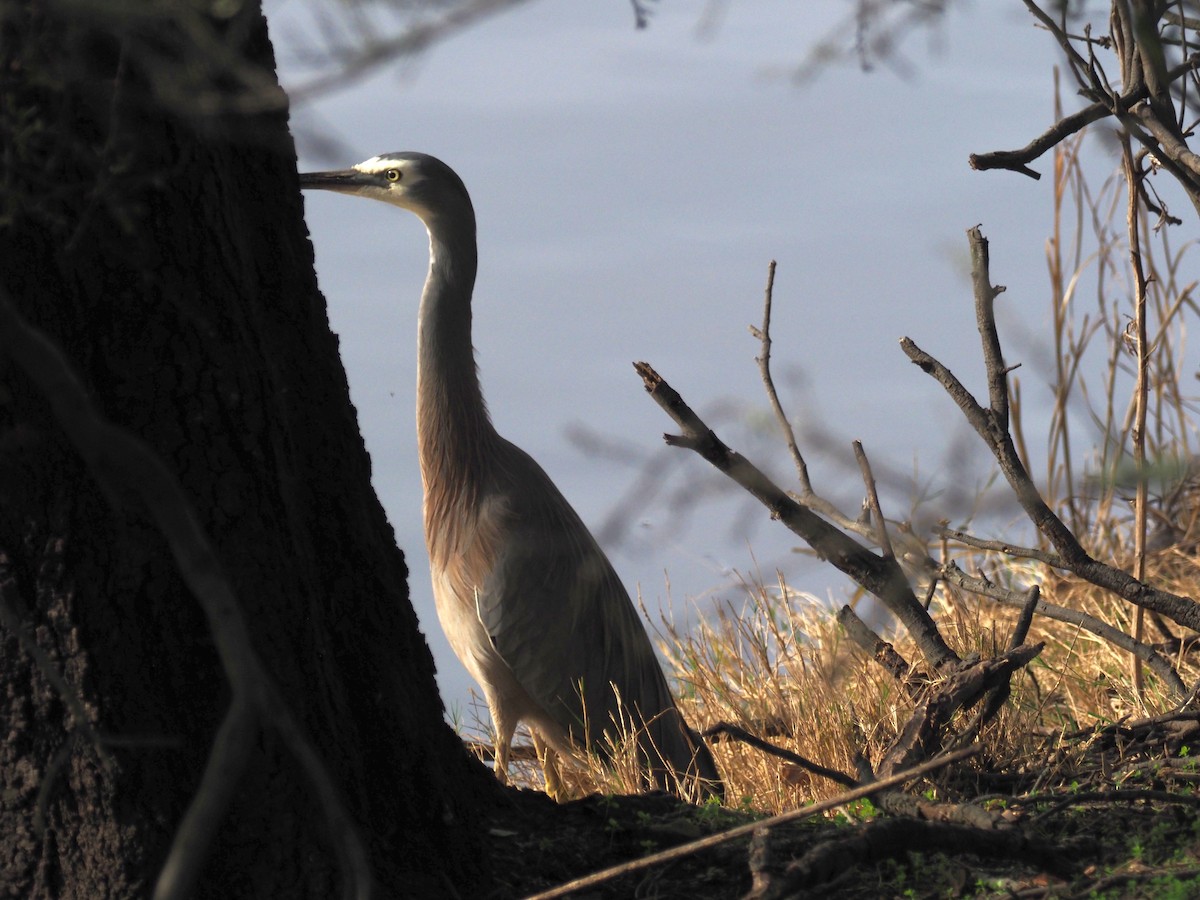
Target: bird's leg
[
  {"x": 500, "y": 764},
  {"x": 548, "y": 760},
  {"x": 503, "y": 741}
]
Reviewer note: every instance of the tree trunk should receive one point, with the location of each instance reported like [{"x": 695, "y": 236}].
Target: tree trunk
[{"x": 151, "y": 226}]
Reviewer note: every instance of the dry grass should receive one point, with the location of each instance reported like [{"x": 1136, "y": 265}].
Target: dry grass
[
  {"x": 776, "y": 663},
  {"x": 778, "y": 666}
]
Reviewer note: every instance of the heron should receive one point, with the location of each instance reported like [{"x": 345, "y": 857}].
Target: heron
[{"x": 529, "y": 602}]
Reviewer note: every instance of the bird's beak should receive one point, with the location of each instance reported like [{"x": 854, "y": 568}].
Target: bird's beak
[{"x": 347, "y": 181}]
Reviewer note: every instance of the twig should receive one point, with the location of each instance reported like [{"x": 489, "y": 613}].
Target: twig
[
  {"x": 716, "y": 840},
  {"x": 1060, "y": 35},
  {"x": 381, "y": 51},
  {"x": 806, "y": 496},
  {"x": 1141, "y": 393},
  {"x": 764, "y": 367},
  {"x": 930, "y": 590},
  {"x": 1169, "y": 143},
  {"x": 881, "y": 532},
  {"x": 1170, "y": 153},
  {"x": 1048, "y": 557},
  {"x": 728, "y": 729}
]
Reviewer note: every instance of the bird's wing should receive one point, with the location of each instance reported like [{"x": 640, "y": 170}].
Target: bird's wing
[{"x": 559, "y": 616}]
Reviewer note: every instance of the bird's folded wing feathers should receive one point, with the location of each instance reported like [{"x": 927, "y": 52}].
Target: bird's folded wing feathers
[{"x": 560, "y": 618}]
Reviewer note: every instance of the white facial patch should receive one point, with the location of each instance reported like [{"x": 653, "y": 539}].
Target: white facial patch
[{"x": 378, "y": 164}]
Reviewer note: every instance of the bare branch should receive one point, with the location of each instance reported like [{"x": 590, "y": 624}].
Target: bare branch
[
  {"x": 1141, "y": 394},
  {"x": 1025, "y": 620},
  {"x": 1160, "y": 666},
  {"x": 1060, "y": 34},
  {"x": 735, "y": 732},
  {"x": 764, "y": 367},
  {"x": 1170, "y": 143},
  {"x": 986, "y": 423},
  {"x": 382, "y": 51},
  {"x": 881, "y": 651},
  {"x": 881, "y": 532},
  {"x": 1046, "y": 556},
  {"x": 1017, "y": 160},
  {"x": 882, "y": 577},
  {"x": 985, "y": 314}
]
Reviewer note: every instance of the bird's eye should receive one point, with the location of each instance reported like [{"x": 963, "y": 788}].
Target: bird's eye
[{"x": 393, "y": 175}]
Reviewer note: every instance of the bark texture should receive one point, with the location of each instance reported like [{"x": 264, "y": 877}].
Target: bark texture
[{"x": 163, "y": 248}]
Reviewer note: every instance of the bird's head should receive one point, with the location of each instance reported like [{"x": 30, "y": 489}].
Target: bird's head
[{"x": 414, "y": 181}]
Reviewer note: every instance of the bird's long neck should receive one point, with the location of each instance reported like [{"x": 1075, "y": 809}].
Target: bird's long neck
[{"x": 454, "y": 434}]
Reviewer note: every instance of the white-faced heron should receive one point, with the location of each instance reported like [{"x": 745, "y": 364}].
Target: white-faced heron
[{"x": 528, "y": 600}]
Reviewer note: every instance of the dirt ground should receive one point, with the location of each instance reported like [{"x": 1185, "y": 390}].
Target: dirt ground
[{"x": 1117, "y": 823}]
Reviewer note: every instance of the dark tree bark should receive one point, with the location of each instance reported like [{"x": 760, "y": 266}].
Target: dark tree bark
[{"x": 151, "y": 226}]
